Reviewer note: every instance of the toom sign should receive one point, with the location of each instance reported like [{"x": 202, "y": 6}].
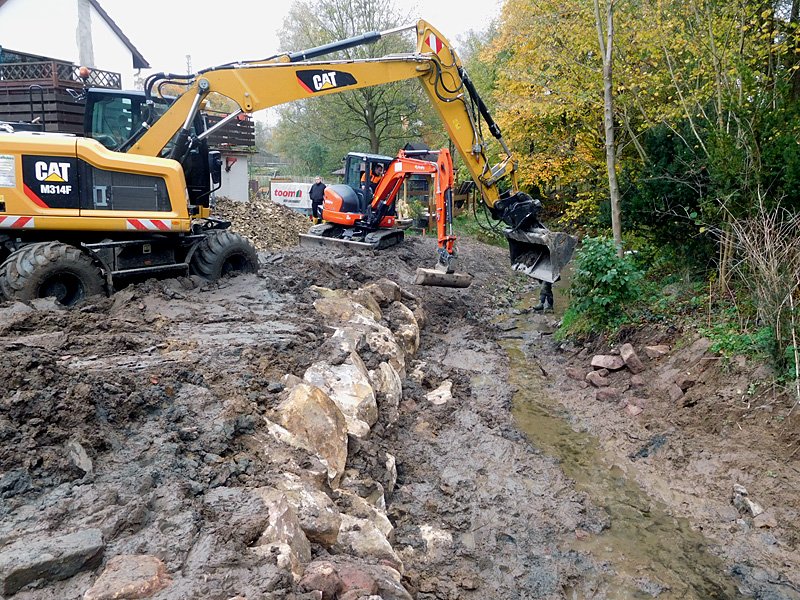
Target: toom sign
[{"x": 291, "y": 194}]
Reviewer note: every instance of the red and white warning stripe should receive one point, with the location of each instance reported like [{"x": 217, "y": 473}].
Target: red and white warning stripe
[
  {"x": 16, "y": 223},
  {"x": 435, "y": 43},
  {"x": 149, "y": 224}
]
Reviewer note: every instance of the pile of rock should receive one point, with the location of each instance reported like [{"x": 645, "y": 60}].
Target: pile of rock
[
  {"x": 606, "y": 378},
  {"x": 334, "y": 406},
  {"x": 320, "y": 528},
  {"x": 267, "y": 225}
]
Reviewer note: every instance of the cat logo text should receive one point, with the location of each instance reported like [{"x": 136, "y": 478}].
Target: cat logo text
[{"x": 317, "y": 80}]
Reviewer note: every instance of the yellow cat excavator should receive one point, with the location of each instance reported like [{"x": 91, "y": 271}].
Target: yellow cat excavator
[{"x": 81, "y": 214}]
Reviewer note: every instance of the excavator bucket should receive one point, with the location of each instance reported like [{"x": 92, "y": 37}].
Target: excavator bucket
[
  {"x": 330, "y": 234},
  {"x": 441, "y": 278},
  {"x": 539, "y": 252}
]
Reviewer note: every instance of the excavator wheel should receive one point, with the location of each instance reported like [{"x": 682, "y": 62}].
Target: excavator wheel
[
  {"x": 222, "y": 253},
  {"x": 50, "y": 269}
]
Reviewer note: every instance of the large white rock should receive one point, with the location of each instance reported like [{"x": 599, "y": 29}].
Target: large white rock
[
  {"x": 385, "y": 291},
  {"x": 387, "y": 383},
  {"x": 318, "y": 515},
  {"x": 368, "y": 301},
  {"x": 312, "y": 417},
  {"x": 354, "y": 506},
  {"x": 362, "y": 538},
  {"x": 405, "y": 327},
  {"x": 382, "y": 341},
  {"x": 349, "y": 339},
  {"x": 284, "y": 526},
  {"x": 284, "y": 558},
  {"x": 344, "y": 309},
  {"x": 349, "y": 386}
]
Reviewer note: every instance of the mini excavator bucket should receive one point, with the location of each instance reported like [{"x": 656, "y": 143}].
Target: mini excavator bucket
[
  {"x": 539, "y": 252},
  {"x": 441, "y": 278}
]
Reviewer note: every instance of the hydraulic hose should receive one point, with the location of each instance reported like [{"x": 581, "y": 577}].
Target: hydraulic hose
[{"x": 473, "y": 94}]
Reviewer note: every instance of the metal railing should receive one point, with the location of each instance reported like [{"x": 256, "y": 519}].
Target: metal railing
[{"x": 55, "y": 74}]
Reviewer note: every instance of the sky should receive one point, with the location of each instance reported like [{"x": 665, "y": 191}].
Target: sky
[{"x": 213, "y": 33}]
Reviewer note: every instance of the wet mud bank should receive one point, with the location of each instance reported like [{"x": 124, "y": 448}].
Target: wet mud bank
[
  {"x": 324, "y": 429},
  {"x": 149, "y": 449},
  {"x": 688, "y": 454}
]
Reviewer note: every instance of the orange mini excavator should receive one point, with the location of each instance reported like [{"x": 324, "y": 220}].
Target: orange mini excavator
[{"x": 361, "y": 212}]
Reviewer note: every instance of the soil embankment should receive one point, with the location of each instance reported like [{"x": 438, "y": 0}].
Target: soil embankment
[{"x": 143, "y": 435}]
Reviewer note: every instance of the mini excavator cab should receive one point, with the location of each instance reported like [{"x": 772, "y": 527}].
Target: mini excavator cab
[
  {"x": 363, "y": 172},
  {"x": 351, "y": 203}
]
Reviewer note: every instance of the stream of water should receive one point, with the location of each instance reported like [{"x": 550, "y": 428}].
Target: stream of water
[{"x": 645, "y": 553}]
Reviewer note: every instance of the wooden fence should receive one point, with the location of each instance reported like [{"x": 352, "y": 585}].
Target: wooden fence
[{"x": 41, "y": 90}]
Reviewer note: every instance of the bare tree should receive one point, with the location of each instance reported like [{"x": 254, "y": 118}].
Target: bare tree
[
  {"x": 607, "y": 53},
  {"x": 769, "y": 245},
  {"x": 368, "y": 117}
]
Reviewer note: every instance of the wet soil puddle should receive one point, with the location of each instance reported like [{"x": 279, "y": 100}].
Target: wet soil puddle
[{"x": 645, "y": 553}]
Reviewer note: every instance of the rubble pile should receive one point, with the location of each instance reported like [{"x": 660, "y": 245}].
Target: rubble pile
[
  {"x": 306, "y": 510},
  {"x": 269, "y": 226}
]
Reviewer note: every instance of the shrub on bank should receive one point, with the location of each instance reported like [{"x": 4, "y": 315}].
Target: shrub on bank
[{"x": 603, "y": 286}]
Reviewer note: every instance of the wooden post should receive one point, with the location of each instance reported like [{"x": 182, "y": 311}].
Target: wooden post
[{"x": 54, "y": 72}]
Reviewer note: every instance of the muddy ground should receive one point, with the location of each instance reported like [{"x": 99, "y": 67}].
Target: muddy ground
[{"x": 132, "y": 414}]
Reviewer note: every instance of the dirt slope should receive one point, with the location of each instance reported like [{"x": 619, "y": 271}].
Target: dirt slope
[
  {"x": 720, "y": 452},
  {"x": 132, "y": 414}
]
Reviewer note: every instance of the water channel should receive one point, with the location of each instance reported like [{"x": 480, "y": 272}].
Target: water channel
[{"x": 645, "y": 553}]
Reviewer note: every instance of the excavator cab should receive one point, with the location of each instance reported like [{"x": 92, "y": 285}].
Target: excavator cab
[
  {"x": 363, "y": 172},
  {"x": 115, "y": 117},
  {"x": 351, "y": 202}
]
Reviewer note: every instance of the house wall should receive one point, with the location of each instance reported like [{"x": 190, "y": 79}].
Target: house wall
[
  {"x": 51, "y": 28},
  {"x": 235, "y": 183},
  {"x": 111, "y": 53}
]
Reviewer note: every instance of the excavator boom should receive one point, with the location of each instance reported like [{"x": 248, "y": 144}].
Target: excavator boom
[{"x": 132, "y": 197}]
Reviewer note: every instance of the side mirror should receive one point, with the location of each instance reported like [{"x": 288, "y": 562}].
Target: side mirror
[{"x": 215, "y": 166}]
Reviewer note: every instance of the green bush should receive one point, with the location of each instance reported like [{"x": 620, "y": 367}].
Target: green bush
[
  {"x": 602, "y": 285},
  {"x": 729, "y": 340},
  {"x": 479, "y": 228}
]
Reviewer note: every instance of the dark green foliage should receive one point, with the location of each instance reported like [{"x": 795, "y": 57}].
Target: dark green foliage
[
  {"x": 664, "y": 198},
  {"x": 602, "y": 285}
]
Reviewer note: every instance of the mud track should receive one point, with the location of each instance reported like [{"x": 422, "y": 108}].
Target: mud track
[{"x": 141, "y": 417}]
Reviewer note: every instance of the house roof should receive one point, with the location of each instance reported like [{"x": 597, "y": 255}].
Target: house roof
[{"x": 139, "y": 61}]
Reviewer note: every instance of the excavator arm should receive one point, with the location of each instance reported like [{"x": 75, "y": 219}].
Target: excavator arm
[
  {"x": 258, "y": 85},
  {"x": 262, "y": 84}
]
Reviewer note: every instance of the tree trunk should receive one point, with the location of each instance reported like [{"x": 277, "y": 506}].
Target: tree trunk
[
  {"x": 795, "y": 50},
  {"x": 607, "y": 51}
]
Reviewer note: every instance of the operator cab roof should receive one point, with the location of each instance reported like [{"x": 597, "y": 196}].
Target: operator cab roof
[{"x": 371, "y": 157}]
